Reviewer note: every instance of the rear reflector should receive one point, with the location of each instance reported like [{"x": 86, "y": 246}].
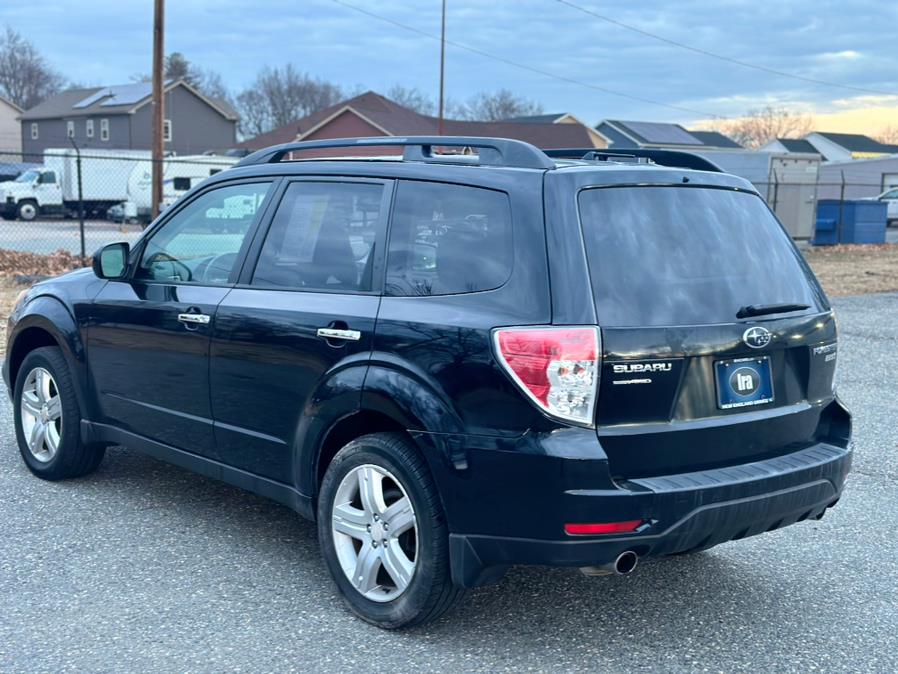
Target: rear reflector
[
  {"x": 558, "y": 368},
  {"x": 602, "y": 528}
]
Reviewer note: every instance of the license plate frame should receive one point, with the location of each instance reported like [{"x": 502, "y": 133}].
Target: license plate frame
[{"x": 743, "y": 382}]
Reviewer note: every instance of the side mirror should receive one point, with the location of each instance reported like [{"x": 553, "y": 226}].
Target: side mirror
[{"x": 111, "y": 261}]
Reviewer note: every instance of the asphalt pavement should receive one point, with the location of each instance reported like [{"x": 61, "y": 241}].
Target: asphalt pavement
[{"x": 144, "y": 567}]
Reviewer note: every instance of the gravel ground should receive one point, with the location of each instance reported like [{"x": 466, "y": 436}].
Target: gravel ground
[{"x": 144, "y": 567}]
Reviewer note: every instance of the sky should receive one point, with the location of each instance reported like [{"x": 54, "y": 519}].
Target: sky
[{"x": 586, "y": 62}]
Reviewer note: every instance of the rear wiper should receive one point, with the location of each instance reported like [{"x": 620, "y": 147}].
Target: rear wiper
[{"x": 764, "y": 309}]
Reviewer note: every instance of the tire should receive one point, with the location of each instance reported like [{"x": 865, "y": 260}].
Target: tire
[
  {"x": 404, "y": 476},
  {"x": 60, "y": 453},
  {"x": 27, "y": 211}
]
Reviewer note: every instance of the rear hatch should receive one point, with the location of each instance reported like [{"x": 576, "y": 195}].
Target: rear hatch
[{"x": 718, "y": 343}]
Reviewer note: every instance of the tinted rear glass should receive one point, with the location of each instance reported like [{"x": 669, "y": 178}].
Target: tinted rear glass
[
  {"x": 448, "y": 239},
  {"x": 686, "y": 255}
]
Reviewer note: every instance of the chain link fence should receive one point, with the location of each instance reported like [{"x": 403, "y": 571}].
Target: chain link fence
[
  {"x": 58, "y": 207},
  {"x": 64, "y": 203}
]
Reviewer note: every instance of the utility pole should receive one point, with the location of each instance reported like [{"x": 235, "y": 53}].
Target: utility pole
[
  {"x": 442, "y": 64},
  {"x": 158, "y": 102}
]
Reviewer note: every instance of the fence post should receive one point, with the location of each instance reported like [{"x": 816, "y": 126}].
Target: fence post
[
  {"x": 841, "y": 209},
  {"x": 80, "y": 197},
  {"x": 776, "y": 190}
]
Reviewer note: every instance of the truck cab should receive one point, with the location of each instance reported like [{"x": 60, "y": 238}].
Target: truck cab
[{"x": 35, "y": 192}]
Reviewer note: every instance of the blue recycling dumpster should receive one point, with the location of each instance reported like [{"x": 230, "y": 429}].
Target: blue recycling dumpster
[{"x": 863, "y": 221}]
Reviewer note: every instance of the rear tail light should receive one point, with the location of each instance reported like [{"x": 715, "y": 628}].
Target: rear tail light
[{"x": 557, "y": 368}]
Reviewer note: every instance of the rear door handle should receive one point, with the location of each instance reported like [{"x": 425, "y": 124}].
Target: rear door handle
[
  {"x": 195, "y": 319},
  {"x": 336, "y": 333}
]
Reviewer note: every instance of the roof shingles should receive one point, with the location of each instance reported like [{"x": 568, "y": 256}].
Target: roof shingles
[{"x": 397, "y": 120}]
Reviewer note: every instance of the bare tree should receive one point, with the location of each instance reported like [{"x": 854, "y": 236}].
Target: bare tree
[
  {"x": 888, "y": 135},
  {"x": 25, "y": 77},
  {"x": 493, "y": 106},
  {"x": 761, "y": 126},
  {"x": 282, "y": 95},
  {"x": 412, "y": 98},
  {"x": 179, "y": 67}
]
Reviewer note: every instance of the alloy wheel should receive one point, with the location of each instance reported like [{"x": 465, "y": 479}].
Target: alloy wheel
[
  {"x": 375, "y": 532},
  {"x": 41, "y": 413}
]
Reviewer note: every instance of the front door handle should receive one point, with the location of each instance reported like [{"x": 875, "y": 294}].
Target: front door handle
[
  {"x": 336, "y": 333},
  {"x": 194, "y": 319}
]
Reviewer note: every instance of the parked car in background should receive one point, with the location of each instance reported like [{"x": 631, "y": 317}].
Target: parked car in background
[
  {"x": 890, "y": 196},
  {"x": 455, "y": 363}
]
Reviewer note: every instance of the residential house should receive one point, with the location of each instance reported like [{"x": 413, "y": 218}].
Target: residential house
[
  {"x": 10, "y": 127},
  {"x": 660, "y": 135},
  {"x": 120, "y": 117},
  {"x": 793, "y": 145},
  {"x": 598, "y": 141},
  {"x": 846, "y": 146},
  {"x": 371, "y": 114}
]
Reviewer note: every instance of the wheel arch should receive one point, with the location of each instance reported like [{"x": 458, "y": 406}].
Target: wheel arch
[
  {"x": 47, "y": 322},
  {"x": 393, "y": 399}
]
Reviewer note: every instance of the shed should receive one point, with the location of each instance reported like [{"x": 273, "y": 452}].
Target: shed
[{"x": 864, "y": 178}]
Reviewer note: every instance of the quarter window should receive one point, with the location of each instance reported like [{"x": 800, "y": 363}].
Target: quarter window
[
  {"x": 448, "y": 239},
  {"x": 201, "y": 242},
  {"x": 322, "y": 238}
]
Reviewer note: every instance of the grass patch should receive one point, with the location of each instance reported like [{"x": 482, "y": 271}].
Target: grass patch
[{"x": 855, "y": 269}]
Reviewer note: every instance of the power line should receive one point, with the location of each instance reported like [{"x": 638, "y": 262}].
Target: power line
[
  {"x": 720, "y": 57},
  {"x": 522, "y": 66}
]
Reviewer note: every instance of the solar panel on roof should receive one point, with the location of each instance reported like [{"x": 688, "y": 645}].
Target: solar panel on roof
[
  {"x": 93, "y": 98},
  {"x": 660, "y": 132},
  {"x": 127, "y": 94}
]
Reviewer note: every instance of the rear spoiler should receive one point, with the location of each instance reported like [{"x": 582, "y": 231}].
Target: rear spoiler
[{"x": 673, "y": 158}]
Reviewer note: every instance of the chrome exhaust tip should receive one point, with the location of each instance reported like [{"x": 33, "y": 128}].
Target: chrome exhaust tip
[{"x": 622, "y": 565}]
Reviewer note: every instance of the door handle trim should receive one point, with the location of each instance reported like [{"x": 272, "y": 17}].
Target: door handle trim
[
  {"x": 198, "y": 319},
  {"x": 335, "y": 333}
]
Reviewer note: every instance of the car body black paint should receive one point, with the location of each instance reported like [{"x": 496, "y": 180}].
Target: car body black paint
[{"x": 251, "y": 397}]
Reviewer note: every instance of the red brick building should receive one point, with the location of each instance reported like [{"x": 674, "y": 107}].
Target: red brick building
[{"x": 370, "y": 114}]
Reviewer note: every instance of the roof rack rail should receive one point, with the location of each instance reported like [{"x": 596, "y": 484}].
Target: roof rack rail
[
  {"x": 672, "y": 158},
  {"x": 492, "y": 151}
]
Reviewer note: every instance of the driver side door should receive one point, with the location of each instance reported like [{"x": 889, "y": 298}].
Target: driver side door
[{"x": 148, "y": 335}]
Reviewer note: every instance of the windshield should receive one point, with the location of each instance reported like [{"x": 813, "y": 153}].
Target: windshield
[
  {"x": 28, "y": 177},
  {"x": 687, "y": 256}
]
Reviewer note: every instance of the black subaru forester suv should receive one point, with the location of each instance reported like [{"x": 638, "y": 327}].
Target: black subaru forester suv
[{"x": 464, "y": 357}]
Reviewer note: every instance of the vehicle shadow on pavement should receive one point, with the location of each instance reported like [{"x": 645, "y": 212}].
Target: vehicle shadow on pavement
[{"x": 661, "y": 601}]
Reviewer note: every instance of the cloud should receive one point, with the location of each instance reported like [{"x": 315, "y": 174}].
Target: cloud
[{"x": 107, "y": 41}]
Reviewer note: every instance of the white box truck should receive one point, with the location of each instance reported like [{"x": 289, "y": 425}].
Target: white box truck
[
  {"x": 52, "y": 188},
  {"x": 111, "y": 180}
]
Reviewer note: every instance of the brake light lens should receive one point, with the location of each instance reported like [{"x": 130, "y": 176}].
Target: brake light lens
[
  {"x": 557, "y": 368},
  {"x": 603, "y": 528}
]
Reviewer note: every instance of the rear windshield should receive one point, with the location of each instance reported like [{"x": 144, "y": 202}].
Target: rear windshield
[{"x": 686, "y": 255}]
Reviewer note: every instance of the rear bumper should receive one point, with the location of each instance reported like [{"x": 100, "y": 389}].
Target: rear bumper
[{"x": 685, "y": 512}]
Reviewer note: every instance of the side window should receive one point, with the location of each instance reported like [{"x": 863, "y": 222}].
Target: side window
[
  {"x": 322, "y": 237},
  {"x": 47, "y": 178},
  {"x": 200, "y": 243},
  {"x": 448, "y": 239}
]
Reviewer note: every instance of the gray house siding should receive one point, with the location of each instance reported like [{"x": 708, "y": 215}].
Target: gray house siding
[
  {"x": 196, "y": 127},
  {"x": 52, "y": 133}
]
